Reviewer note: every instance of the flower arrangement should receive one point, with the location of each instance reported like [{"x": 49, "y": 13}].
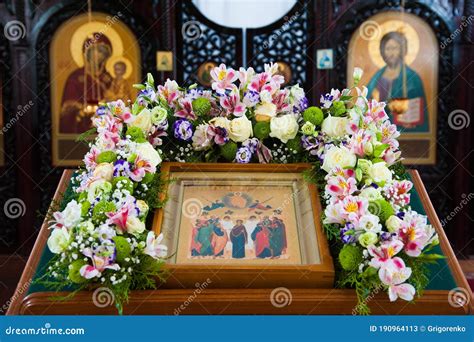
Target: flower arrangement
[{"x": 99, "y": 236}]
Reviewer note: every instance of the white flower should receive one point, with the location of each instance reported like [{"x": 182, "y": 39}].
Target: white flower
[
  {"x": 371, "y": 193},
  {"x": 335, "y": 127},
  {"x": 221, "y": 122},
  {"x": 393, "y": 224},
  {"x": 369, "y": 223},
  {"x": 143, "y": 120},
  {"x": 368, "y": 238},
  {"x": 240, "y": 129},
  {"x": 154, "y": 248},
  {"x": 104, "y": 171},
  {"x": 142, "y": 207},
  {"x": 58, "y": 240},
  {"x": 71, "y": 215},
  {"x": 134, "y": 225},
  {"x": 265, "y": 111},
  {"x": 296, "y": 93},
  {"x": 201, "y": 140},
  {"x": 284, "y": 127},
  {"x": 357, "y": 75},
  {"x": 97, "y": 188},
  {"x": 379, "y": 172},
  {"x": 338, "y": 156},
  {"x": 147, "y": 152}
]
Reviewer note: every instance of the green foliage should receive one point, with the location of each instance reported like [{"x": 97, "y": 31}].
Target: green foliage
[
  {"x": 295, "y": 144},
  {"x": 100, "y": 210},
  {"x": 106, "y": 157},
  {"x": 314, "y": 115},
  {"x": 155, "y": 187},
  {"x": 122, "y": 248},
  {"x": 86, "y": 136},
  {"x": 74, "y": 274},
  {"x": 338, "y": 108},
  {"x": 261, "y": 130}
]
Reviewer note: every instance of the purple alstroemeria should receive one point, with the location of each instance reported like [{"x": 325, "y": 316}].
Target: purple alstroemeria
[
  {"x": 219, "y": 134},
  {"x": 183, "y": 130},
  {"x": 243, "y": 155}
]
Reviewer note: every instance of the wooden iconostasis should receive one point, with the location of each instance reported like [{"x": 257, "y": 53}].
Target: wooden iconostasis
[{"x": 47, "y": 46}]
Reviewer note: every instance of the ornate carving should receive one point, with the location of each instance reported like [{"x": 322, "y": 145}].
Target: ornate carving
[
  {"x": 434, "y": 177},
  {"x": 286, "y": 40},
  {"x": 201, "y": 40}
]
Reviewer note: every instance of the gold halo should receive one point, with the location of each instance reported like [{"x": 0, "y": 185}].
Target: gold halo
[
  {"x": 109, "y": 66},
  {"x": 86, "y": 30},
  {"x": 413, "y": 41}
]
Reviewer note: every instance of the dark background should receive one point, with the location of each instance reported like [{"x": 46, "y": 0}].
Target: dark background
[{"x": 28, "y": 173}]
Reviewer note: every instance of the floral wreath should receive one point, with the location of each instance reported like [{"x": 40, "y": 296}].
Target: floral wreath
[{"x": 99, "y": 236}]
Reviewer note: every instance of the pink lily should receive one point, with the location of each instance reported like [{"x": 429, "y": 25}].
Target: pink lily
[
  {"x": 279, "y": 100},
  {"x": 186, "y": 111},
  {"x": 340, "y": 186},
  {"x": 395, "y": 277},
  {"x": 169, "y": 91},
  {"x": 390, "y": 134},
  {"x": 232, "y": 104},
  {"x": 376, "y": 111},
  {"x": 358, "y": 141},
  {"x": 102, "y": 258},
  {"x": 383, "y": 256},
  {"x": 223, "y": 78},
  {"x": 351, "y": 208},
  {"x": 139, "y": 168},
  {"x": 415, "y": 233},
  {"x": 398, "y": 192},
  {"x": 154, "y": 248}
]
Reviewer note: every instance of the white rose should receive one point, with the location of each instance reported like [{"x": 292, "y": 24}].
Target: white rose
[
  {"x": 379, "y": 172},
  {"x": 221, "y": 122},
  {"x": 393, "y": 224},
  {"x": 147, "y": 151},
  {"x": 240, "y": 129},
  {"x": 338, "y": 156},
  {"x": 104, "y": 171},
  {"x": 143, "y": 120},
  {"x": 284, "y": 127},
  {"x": 371, "y": 194},
  {"x": 58, "y": 240},
  {"x": 158, "y": 115},
  {"x": 134, "y": 225},
  {"x": 142, "y": 207},
  {"x": 71, "y": 215},
  {"x": 265, "y": 111},
  {"x": 335, "y": 127}
]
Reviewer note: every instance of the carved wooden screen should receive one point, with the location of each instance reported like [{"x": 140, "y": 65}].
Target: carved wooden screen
[{"x": 203, "y": 44}]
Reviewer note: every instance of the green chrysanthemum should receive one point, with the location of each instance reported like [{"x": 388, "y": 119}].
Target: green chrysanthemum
[
  {"x": 295, "y": 144},
  {"x": 123, "y": 183},
  {"x": 314, "y": 115},
  {"x": 74, "y": 274},
  {"x": 338, "y": 108},
  {"x": 229, "y": 150},
  {"x": 261, "y": 130},
  {"x": 201, "y": 106},
  {"x": 100, "y": 209},
  {"x": 106, "y": 157},
  {"x": 122, "y": 248},
  {"x": 382, "y": 208},
  {"x": 136, "y": 134},
  {"x": 350, "y": 257}
]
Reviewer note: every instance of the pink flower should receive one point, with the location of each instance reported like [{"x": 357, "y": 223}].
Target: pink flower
[
  {"x": 331, "y": 213},
  {"x": 139, "y": 168},
  {"x": 395, "y": 276},
  {"x": 245, "y": 76},
  {"x": 223, "y": 78},
  {"x": 186, "y": 110},
  {"x": 376, "y": 112},
  {"x": 390, "y": 134},
  {"x": 120, "y": 217},
  {"x": 351, "y": 208},
  {"x": 169, "y": 91},
  {"x": 415, "y": 233},
  {"x": 279, "y": 99},
  {"x": 339, "y": 171},
  {"x": 102, "y": 258},
  {"x": 154, "y": 248},
  {"x": 340, "y": 186},
  {"x": 398, "y": 192},
  {"x": 232, "y": 104},
  {"x": 358, "y": 141},
  {"x": 91, "y": 157},
  {"x": 383, "y": 256}
]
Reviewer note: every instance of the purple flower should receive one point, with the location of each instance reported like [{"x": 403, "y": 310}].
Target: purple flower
[
  {"x": 121, "y": 168},
  {"x": 183, "y": 130},
  {"x": 243, "y": 155},
  {"x": 251, "y": 144},
  {"x": 101, "y": 110},
  {"x": 251, "y": 98},
  {"x": 301, "y": 105},
  {"x": 348, "y": 234},
  {"x": 385, "y": 236},
  {"x": 220, "y": 134}
]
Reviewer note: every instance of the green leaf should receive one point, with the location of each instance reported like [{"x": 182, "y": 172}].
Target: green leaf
[
  {"x": 150, "y": 80},
  {"x": 358, "y": 174},
  {"x": 83, "y": 137},
  {"x": 378, "y": 150},
  {"x": 139, "y": 86}
]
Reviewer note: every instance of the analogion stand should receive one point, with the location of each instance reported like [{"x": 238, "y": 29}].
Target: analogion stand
[{"x": 436, "y": 300}]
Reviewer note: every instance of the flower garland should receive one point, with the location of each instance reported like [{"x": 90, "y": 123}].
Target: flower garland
[{"x": 99, "y": 237}]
